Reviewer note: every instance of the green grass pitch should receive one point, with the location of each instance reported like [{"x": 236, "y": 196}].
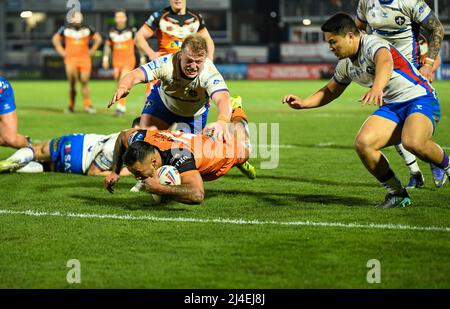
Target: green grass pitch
[{"x": 319, "y": 179}]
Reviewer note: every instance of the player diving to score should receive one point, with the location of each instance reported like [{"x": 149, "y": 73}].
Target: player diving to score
[
  {"x": 198, "y": 158},
  {"x": 187, "y": 83},
  {"x": 407, "y": 102}
]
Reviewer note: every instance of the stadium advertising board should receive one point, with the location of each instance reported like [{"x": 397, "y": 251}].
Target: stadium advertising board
[
  {"x": 289, "y": 71},
  {"x": 445, "y": 71},
  {"x": 295, "y": 52},
  {"x": 233, "y": 71}
]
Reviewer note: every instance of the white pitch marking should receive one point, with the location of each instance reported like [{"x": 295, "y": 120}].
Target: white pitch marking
[
  {"x": 324, "y": 144},
  {"x": 228, "y": 221}
]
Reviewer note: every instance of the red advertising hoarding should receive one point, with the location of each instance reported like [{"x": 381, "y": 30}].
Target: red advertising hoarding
[{"x": 289, "y": 71}]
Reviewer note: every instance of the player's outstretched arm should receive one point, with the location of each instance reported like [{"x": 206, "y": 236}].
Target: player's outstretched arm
[
  {"x": 94, "y": 170},
  {"x": 220, "y": 127},
  {"x": 323, "y": 96},
  {"x": 384, "y": 65},
  {"x": 119, "y": 149},
  {"x": 127, "y": 82},
  {"x": 191, "y": 190}
]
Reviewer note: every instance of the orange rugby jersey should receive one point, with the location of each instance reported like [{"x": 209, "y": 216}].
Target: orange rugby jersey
[
  {"x": 188, "y": 151},
  {"x": 171, "y": 29},
  {"x": 76, "y": 40},
  {"x": 122, "y": 45}
]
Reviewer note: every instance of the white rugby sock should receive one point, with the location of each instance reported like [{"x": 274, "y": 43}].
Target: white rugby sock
[
  {"x": 410, "y": 159},
  {"x": 23, "y": 155}
]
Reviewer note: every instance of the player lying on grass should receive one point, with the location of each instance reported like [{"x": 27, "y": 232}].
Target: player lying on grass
[
  {"x": 198, "y": 158},
  {"x": 407, "y": 102},
  {"x": 88, "y": 154}
]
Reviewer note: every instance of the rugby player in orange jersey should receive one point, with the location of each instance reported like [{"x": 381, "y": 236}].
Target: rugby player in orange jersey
[
  {"x": 120, "y": 40},
  {"x": 77, "y": 57},
  {"x": 171, "y": 26},
  {"x": 198, "y": 158}
]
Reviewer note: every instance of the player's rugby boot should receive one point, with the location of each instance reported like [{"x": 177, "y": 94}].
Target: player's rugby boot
[
  {"x": 396, "y": 200},
  {"x": 247, "y": 169},
  {"x": 9, "y": 166},
  {"x": 439, "y": 175},
  {"x": 416, "y": 181}
]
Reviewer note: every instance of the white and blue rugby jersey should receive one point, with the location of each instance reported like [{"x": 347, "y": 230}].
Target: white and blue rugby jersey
[
  {"x": 397, "y": 22},
  {"x": 406, "y": 82},
  {"x": 183, "y": 96}
]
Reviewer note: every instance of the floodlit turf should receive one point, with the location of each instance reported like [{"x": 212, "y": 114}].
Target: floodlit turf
[{"x": 318, "y": 178}]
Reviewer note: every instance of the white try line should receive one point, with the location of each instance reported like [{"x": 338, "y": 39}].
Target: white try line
[
  {"x": 320, "y": 145},
  {"x": 227, "y": 221}
]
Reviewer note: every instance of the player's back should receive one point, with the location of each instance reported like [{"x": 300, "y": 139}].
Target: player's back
[{"x": 212, "y": 159}]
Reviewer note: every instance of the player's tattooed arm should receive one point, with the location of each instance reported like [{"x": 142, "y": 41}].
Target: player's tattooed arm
[
  {"x": 191, "y": 190},
  {"x": 434, "y": 26},
  {"x": 119, "y": 150}
]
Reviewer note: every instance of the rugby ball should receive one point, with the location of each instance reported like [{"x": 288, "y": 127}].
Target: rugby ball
[{"x": 168, "y": 175}]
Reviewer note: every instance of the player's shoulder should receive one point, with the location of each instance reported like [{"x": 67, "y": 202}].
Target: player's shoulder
[
  {"x": 4, "y": 84},
  {"x": 371, "y": 44},
  {"x": 90, "y": 28},
  {"x": 155, "y": 16},
  {"x": 370, "y": 40},
  {"x": 3, "y": 80},
  {"x": 209, "y": 70},
  {"x": 209, "y": 66},
  {"x": 194, "y": 13},
  {"x": 409, "y": 4},
  {"x": 343, "y": 64},
  {"x": 161, "y": 62},
  {"x": 62, "y": 29},
  {"x": 134, "y": 135}
]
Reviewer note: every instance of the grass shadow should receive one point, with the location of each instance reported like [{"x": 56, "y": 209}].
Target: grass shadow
[
  {"x": 138, "y": 202},
  {"x": 293, "y": 199},
  {"x": 309, "y": 180}
]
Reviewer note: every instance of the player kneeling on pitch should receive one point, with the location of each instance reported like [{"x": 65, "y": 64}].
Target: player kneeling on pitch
[
  {"x": 197, "y": 157},
  {"x": 88, "y": 154},
  {"x": 408, "y": 111}
]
